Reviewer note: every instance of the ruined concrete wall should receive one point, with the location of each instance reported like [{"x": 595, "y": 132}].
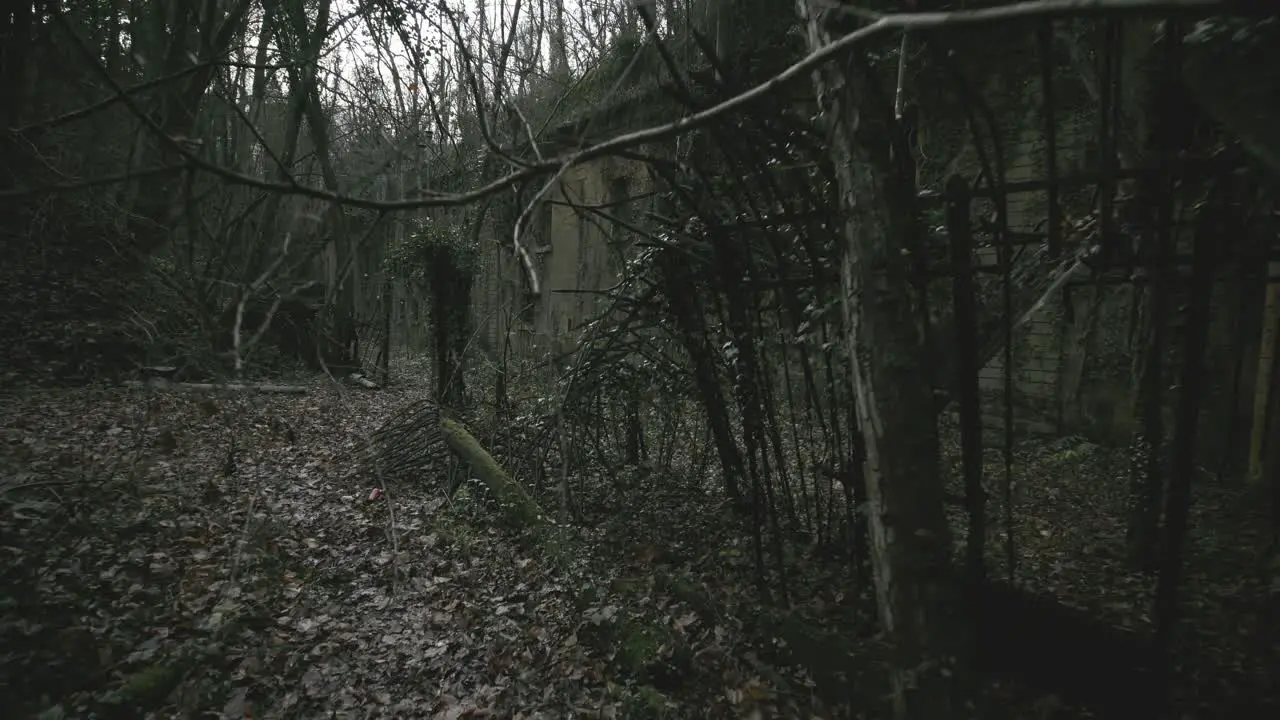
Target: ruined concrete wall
[
  {"x": 584, "y": 250},
  {"x": 1073, "y": 364},
  {"x": 578, "y": 251}
]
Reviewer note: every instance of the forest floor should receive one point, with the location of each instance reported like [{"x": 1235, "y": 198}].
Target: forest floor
[
  {"x": 155, "y": 565},
  {"x": 1069, "y": 524},
  {"x": 179, "y": 555}
]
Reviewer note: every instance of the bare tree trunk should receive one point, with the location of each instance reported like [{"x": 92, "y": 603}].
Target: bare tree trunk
[
  {"x": 634, "y": 430},
  {"x": 559, "y": 41},
  {"x": 259, "y": 93},
  {"x": 1271, "y": 466},
  {"x": 1169, "y": 131},
  {"x": 16, "y": 26},
  {"x": 1147, "y": 447},
  {"x": 909, "y": 536},
  {"x": 1263, "y": 389},
  {"x": 176, "y": 108},
  {"x": 685, "y": 311},
  {"x": 344, "y": 252},
  {"x": 272, "y": 227},
  {"x": 1182, "y": 465}
]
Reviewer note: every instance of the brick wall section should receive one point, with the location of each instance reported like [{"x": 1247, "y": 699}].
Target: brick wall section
[{"x": 1037, "y": 359}]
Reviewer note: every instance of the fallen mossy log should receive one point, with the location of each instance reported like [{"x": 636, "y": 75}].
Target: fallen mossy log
[
  {"x": 1024, "y": 637},
  {"x": 518, "y": 507},
  {"x": 649, "y": 653},
  {"x": 161, "y": 384}
]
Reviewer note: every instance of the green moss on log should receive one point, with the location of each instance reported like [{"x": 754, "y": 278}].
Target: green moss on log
[{"x": 518, "y": 507}]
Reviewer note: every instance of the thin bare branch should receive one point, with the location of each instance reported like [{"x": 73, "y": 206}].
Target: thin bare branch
[{"x": 901, "y": 21}]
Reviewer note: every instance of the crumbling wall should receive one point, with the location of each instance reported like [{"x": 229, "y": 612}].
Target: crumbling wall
[{"x": 578, "y": 251}]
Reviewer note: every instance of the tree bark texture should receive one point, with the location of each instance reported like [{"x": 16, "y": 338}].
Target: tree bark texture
[
  {"x": 910, "y": 540},
  {"x": 175, "y": 33}
]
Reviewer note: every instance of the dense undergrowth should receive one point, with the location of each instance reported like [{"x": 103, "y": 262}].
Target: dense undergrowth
[
  {"x": 1069, "y": 523},
  {"x": 173, "y": 555},
  {"x": 179, "y": 555},
  {"x": 236, "y": 555}
]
